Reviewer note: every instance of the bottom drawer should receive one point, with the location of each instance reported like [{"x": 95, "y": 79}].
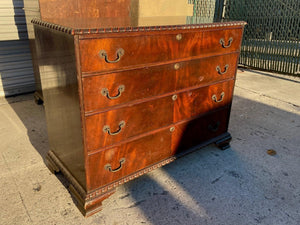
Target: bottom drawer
[
  {"x": 114, "y": 163},
  {"x": 192, "y": 133}
]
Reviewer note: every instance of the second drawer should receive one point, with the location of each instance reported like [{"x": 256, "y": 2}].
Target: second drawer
[{"x": 107, "y": 90}]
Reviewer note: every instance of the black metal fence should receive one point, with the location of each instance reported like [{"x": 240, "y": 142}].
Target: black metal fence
[{"x": 271, "y": 38}]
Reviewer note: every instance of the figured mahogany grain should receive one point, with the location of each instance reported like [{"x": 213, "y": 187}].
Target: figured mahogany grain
[
  {"x": 203, "y": 71},
  {"x": 152, "y": 81},
  {"x": 137, "y": 154},
  {"x": 211, "y": 41},
  {"x": 194, "y": 132},
  {"x": 139, "y": 84},
  {"x": 153, "y": 48},
  {"x": 199, "y": 101},
  {"x": 139, "y": 118}
]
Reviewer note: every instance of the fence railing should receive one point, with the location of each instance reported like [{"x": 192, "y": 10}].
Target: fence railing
[{"x": 272, "y": 37}]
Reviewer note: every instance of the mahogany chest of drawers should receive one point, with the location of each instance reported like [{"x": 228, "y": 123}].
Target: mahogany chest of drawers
[{"x": 121, "y": 102}]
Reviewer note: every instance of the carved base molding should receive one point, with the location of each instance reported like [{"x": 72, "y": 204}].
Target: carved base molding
[{"x": 90, "y": 203}]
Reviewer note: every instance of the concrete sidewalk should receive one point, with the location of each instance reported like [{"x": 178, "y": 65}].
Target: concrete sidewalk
[{"x": 242, "y": 185}]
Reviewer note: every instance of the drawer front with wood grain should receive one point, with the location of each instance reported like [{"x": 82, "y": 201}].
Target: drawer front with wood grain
[
  {"x": 117, "y": 162},
  {"x": 202, "y": 100},
  {"x": 221, "y": 42},
  {"x": 194, "y": 132},
  {"x": 112, "y": 89},
  {"x": 206, "y": 71},
  {"x": 113, "y": 126},
  {"x": 108, "y": 54}
]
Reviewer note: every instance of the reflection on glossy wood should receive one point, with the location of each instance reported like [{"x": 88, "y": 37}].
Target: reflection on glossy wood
[{"x": 56, "y": 57}]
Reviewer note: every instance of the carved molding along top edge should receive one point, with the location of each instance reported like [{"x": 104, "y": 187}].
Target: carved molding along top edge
[
  {"x": 74, "y": 31},
  {"x": 57, "y": 27}
]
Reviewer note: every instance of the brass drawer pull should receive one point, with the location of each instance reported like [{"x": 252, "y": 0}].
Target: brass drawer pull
[
  {"x": 120, "y": 52},
  {"x": 222, "y": 42},
  {"x": 214, "y": 97},
  {"x": 178, "y": 37},
  {"x": 105, "y": 92},
  {"x": 106, "y": 129},
  {"x": 225, "y": 69},
  {"x": 176, "y": 66},
  {"x": 108, "y": 166},
  {"x": 215, "y": 127},
  {"x": 174, "y": 97},
  {"x": 172, "y": 129}
]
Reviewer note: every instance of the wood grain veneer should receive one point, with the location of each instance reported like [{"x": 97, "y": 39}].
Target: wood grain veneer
[
  {"x": 156, "y": 80},
  {"x": 139, "y": 50}
]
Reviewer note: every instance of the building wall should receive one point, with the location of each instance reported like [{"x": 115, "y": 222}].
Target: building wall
[{"x": 16, "y": 73}]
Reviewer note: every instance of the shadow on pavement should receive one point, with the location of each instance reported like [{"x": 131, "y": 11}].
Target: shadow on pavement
[{"x": 242, "y": 185}]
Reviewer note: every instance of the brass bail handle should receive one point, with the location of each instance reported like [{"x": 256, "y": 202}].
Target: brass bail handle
[
  {"x": 225, "y": 69},
  {"x": 214, "y": 98},
  {"x": 105, "y": 92},
  {"x": 108, "y": 166},
  {"x": 106, "y": 129},
  {"x": 103, "y": 54},
  {"x": 222, "y": 42}
]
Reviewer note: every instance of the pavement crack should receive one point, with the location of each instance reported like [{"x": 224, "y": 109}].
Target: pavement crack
[
  {"x": 14, "y": 179},
  {"x": 22, "y": 200},
  {"x": 216, "y": 180}
]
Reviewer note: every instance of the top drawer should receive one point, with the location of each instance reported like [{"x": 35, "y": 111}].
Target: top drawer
[{"x": 109, "y": 53}]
